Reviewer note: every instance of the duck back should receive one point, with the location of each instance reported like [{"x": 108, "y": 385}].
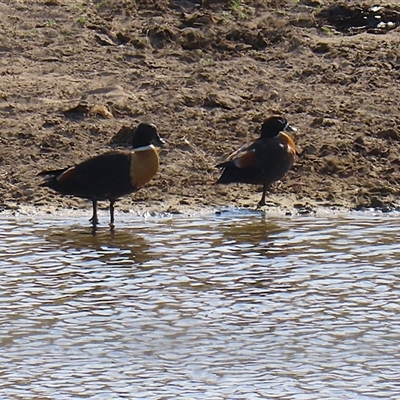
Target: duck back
[
  {"x": 270, "y": 161},
  {"x": 106, "y": 176}
]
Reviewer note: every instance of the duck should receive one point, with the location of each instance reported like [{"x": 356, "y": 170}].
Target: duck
[
  {"x": 111, "y": 175},
  {"x": 263, "y": 161}
]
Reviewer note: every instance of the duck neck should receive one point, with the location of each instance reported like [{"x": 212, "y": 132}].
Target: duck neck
[{"x": 144, "y": 148}]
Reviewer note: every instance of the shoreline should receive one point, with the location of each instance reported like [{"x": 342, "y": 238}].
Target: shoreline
[
  {"x": 187, "y": 212},
  {"x": 208, "y": 77}
]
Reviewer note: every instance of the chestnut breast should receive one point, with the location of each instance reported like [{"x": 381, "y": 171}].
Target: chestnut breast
[{"x": 144, "y": 165}]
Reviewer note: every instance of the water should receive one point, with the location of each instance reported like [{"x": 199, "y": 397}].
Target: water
[{"x": 233, "y": 306}]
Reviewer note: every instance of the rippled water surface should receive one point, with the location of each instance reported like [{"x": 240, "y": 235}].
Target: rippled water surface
[{"x": 233, "y": 306}]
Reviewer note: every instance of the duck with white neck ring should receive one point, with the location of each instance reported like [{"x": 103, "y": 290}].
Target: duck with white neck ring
[{"x": 111, "y": 175}]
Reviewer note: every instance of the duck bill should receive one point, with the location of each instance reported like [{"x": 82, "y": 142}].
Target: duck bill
[
  {"x": 159, "y": 142},
  {"x": 290, "y": 128}
]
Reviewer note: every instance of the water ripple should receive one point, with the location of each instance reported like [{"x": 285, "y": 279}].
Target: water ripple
[{"x": 238, "y": 305}]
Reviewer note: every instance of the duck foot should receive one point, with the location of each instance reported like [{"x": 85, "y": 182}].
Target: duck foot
[
  {"x": 94, "y": 220},
  {"x": 268, "y": 204}
]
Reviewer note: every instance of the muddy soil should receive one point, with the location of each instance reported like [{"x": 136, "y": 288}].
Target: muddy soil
[{"x": 73, "y": 73}]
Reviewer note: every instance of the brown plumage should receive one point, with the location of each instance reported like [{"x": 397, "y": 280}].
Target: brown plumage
[
  {"x": 263, "y": 161},
  {"x": 111, "y": 175}
]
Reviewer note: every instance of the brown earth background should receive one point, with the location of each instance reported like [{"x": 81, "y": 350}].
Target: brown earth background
[{"x": 74, "y": 73}]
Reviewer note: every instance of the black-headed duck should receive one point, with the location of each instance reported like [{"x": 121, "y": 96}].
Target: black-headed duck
[
  {"x": 111, "y": 175},
  {"x": 264, "y": 161}
]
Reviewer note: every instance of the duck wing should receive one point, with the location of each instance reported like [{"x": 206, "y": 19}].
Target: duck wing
[{"x": 244, "y": 157}]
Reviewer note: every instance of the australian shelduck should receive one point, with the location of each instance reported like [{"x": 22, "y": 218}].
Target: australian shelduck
[
  {"x": 263, "y": 161},
  {"x": 111, "y": 175}
]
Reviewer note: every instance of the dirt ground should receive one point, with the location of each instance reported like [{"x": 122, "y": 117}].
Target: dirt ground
[{"x": 74, "y": 72}]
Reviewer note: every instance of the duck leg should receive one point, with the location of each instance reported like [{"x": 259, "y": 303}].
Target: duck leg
[
  {"x": 112, "y": 226},
  {"x": 94, "y": 220},
  {"x": 262, "y": 201}
]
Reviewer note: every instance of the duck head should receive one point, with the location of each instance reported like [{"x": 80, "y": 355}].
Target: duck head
[
  {"x": 145, "y": 135},
  {"x": 273, "y": 125}
]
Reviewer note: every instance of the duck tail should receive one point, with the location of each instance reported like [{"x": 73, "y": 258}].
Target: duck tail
[
  {"x": 50, "y": 176},
  {"x": 228, "y": 176},
  {"x": 51, "y": 173}
]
